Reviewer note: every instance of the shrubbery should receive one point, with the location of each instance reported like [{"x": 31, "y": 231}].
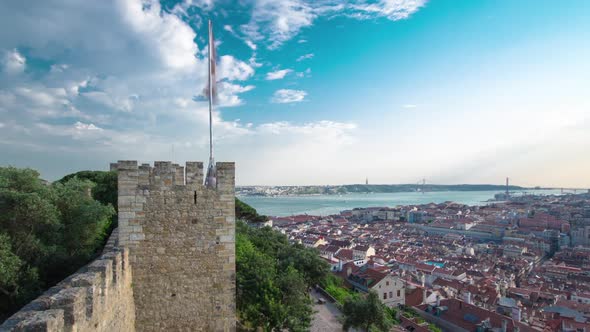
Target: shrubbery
[
  {"x": 47, "y": 232},
  {"x": 334, "y": 286},
  {"x": 273, "y": 280}
]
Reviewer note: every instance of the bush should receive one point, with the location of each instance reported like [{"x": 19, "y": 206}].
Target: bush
[
  {"x": 47, "y": 232},
  {"x": 273, "y": 278},
  {"x": 247, "y": 213},
  {"x": 334, "y": 286}
]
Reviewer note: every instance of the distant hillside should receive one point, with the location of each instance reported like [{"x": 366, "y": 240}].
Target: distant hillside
[
  {"x": 364, "y": 188},
  {"x": 392, "y": 188}
]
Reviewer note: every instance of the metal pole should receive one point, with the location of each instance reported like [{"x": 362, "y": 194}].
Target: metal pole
[{"x": 210, "y": 97}]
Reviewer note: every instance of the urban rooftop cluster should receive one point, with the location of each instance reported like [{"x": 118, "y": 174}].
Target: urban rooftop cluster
[{"x": 518, "y": 265}]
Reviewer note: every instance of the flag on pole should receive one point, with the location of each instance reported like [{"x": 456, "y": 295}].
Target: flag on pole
[{"x": 211, "y": 90}]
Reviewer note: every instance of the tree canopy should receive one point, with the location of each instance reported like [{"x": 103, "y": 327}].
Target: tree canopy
[
  {"x": 366, "y": 313},
  {"x": 247, "y": 213},
  {"x": 47, "y": 231},
  {"x": 273, "y": 278}
]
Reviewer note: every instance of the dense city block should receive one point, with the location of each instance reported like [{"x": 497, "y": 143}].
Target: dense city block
[{"x": 522, "y": 264}]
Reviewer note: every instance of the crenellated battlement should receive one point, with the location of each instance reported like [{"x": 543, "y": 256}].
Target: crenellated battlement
[
  {"x": 98, "y": 297},
  {"x": 166, "y": 175}
]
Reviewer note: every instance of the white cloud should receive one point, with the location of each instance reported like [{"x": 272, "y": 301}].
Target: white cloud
[
  {"x": 253, "y": 62},
  {"x": 305, "y": 73},
  {"x": 168, "y": 34},
  {"x": 229, "y": 93},
  {"x": 14, "y": 62},
  {"x": 182, "y": 8},
  {"x": 86, "y": 126},
  {"x": 336, "y": 129},
  {"x": 250, "y": 44},
  {"x": 285, "y": 96},
  {"x": 77, "y": 131},
  {"x": 280, "y": 21},
  {"x": 124, "y": 103},
  {"x": 327, "y": 143},
  {"x": 391, "y": 9},
  {"x": 278, "y": 74},
  {"x": 305, "y": 57},
  {"x": 59, "y": 68},
  {"x": 234, "y": 69},
  {"x": 43, "y": 96}
]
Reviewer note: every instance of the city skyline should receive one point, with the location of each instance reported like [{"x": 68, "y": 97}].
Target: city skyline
[{"x": 321, "y": 92}]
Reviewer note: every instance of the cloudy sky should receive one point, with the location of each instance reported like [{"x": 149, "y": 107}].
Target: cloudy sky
[{"x": 311, "y": 91}]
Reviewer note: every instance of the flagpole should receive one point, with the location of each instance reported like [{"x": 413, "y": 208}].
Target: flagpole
[
  {"x": 210, "y": 97},
  {"x": 211, "y": 178}
]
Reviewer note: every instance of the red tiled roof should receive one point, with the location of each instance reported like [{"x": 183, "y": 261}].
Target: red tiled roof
[
  {"x": 467, "y": 316},
  {"x": 414, "y": 296},
  {"x": 367, "y": 276},
  {"x": 344, "y": 254}
]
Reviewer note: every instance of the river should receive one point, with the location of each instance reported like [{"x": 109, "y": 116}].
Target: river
[{"x": 333, "y": 204}]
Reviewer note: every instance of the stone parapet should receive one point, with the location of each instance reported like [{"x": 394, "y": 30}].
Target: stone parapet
[{"x": 96, "y": 298}]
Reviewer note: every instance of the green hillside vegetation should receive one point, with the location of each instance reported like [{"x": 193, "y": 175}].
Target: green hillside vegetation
[
  {"x": 247, "y": 213},
  {"x": 105, "y": 189},
  {"x": 273, "y": 278},
  {"x": 47, "y": 232}
]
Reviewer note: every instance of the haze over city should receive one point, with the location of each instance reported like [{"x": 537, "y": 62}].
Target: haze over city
[{"x": 311, "y": 92}]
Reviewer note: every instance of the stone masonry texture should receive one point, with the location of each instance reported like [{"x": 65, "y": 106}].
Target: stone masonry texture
[
  {"x": 98, "y": 297},
  {"x": 181, "y": 240}
]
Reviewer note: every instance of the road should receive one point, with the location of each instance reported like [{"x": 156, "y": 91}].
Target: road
[{"x": 326, "y": 317}]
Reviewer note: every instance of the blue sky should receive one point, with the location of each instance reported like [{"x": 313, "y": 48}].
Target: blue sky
[{"x": 311, "y": 92}]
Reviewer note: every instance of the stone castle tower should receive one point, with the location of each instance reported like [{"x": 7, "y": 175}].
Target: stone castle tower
[
  {"x": 169, "y": 266},
  {"x": 181, "y": 240}
]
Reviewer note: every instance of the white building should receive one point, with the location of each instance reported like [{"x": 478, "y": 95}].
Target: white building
[{"x": 390, "y": 289}]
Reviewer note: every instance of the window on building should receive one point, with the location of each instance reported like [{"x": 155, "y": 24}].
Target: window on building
[
  {"x": 385, "y": 296},
  {"x": 398, "y": 293},
  {"x": 390, "y": 294},
  {"x": 387, "y": 283}
]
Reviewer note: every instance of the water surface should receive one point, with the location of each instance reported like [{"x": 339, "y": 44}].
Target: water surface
[{"x": 333, "y": 204}]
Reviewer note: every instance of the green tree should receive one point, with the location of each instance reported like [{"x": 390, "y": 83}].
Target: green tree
[
  {"x": 257, "y": 292},
  {"x": 247, "y": 213},
  {"x": 272, "y": 285},
  {"x": 47, "y": 232},
  {"x": 306, "y": 260},
  {"x": 296, "y": 300},
  {"x": 365, "y": 312},
  {"x": 105, "y": 190},
  {"x": 85, "y": 220},
  {"x": 10, "y": 265}
]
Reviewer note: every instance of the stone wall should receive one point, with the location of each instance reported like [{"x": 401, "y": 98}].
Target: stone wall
[
  {"x": 177, "y": 236},
  {"x": 96, "y": 298},
  {"x": 181, "y": 238}
]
